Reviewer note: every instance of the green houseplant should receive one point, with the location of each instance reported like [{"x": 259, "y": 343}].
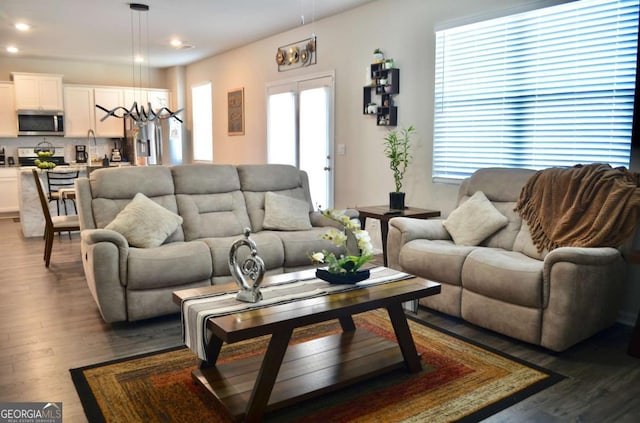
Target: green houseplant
[
  {"x": 397, "y": 148},
  {"x": 378, "y": 56}
]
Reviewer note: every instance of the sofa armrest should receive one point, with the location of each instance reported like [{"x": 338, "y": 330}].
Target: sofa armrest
[
  {"x": 582, "y": 290},
  {"x": 92, "y": 236},
  {"x": 405, "y": 229},
  {"x": 104, "y": 259},
  {"x": 580, "y": 255}
]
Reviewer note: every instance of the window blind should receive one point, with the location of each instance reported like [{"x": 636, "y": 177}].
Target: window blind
[{"x": 550, "y": 87}]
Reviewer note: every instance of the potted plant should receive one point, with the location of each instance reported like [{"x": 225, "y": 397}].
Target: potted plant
[
  {"x": 378, "y": 56},
  {"x": 388, "y": 64},
  {"x": 356, "y": 242},
  {"x": 397, "y": 148}
]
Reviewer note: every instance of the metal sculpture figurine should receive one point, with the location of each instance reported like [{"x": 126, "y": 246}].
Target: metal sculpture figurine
[{"x": 252, "y": 266}]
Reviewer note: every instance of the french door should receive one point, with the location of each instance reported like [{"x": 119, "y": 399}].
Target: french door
[{"x": 300, "y": 131}]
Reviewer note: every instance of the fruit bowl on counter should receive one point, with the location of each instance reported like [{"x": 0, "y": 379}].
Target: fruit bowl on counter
[{"x": 43, "y": 164}]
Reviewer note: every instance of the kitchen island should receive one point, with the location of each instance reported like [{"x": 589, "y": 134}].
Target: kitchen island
[{"x": 31, "y": 217}]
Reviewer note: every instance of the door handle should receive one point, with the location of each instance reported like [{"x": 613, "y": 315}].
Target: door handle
[{"x": 327, "y": 168}]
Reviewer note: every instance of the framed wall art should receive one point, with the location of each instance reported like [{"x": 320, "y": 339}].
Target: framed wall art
[{"x": 235, "y": 110}]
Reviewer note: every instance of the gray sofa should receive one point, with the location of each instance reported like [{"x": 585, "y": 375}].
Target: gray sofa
[
  {"x": 553, "y": 299},
  {"x": 216, "y": 202}
]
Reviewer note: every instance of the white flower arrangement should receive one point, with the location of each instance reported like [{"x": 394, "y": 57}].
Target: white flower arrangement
[{"x": 349, "y": 237}]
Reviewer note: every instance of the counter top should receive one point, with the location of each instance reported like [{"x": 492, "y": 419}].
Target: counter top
[{"x": 73, "y": 166}]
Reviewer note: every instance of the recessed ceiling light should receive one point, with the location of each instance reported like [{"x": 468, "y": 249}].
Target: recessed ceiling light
[
  {"x": 180, "y": 45},
  {"x": 21, "y": 26},
  {"x": 139, "y": 59},
  {"x": 12, "y": 49}
]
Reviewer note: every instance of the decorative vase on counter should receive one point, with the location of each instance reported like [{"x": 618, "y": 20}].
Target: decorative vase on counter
[{"x": 396, "y": 200}]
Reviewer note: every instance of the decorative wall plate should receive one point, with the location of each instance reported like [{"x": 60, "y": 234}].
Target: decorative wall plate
[
  {"x": 311, "y": 45},
  {"x": 294, "y": 55},
  {"x": 304, "y": 55}
]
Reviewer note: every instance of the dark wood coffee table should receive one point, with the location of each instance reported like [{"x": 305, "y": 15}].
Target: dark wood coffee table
[{"x": 289, "y": 374}]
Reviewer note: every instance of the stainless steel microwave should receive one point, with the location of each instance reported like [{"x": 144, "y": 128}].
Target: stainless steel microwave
[{"x": 41, "y": 122}]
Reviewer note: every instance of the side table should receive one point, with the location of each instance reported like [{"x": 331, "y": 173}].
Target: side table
[{"x": 383, "y": 214}]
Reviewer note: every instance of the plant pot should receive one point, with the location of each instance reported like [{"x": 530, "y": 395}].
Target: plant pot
[
  {"x": 343, "y": 278},
  {"x": 396, "y": 200},
  {"x": 378, "y": 57}
]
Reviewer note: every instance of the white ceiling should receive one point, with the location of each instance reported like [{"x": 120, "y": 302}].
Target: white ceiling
[{"x": 100, "y": 30}]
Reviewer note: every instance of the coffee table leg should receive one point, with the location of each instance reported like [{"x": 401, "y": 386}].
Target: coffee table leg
[
  {"x": 347, "y": 324},
  {"x": 267, "y": 375},
  {"x": 405, "y": 340},
  {"x": 213, "y": 351}
]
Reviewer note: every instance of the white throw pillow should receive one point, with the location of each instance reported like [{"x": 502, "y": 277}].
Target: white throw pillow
[
  {"x": 474, "y": 220},
  {"x": 285, "y": 213},
  {"x": 145, "y": 223}
]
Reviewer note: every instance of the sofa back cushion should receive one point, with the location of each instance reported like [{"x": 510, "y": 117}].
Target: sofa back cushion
[
  {"x": 257, "y": 180},
  {"x": 112, "y": 189},
  {"x": 209, "y": 200},
  {"x": 502, "y": 187}
]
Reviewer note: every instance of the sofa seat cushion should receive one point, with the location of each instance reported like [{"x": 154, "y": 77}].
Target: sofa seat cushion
[
  {"x": 269, "y": 247},
  {"x": 439, "y": 260},
  {"x": 504, "y": 275},
  {"x": 300, "y": 245},
  {"x": 171, "y": 264}
]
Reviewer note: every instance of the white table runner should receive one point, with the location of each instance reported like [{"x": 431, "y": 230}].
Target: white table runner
[{"x": 197, "y": 310}]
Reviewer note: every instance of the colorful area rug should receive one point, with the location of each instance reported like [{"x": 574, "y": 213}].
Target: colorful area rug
[{"x": 460, "y": 381}]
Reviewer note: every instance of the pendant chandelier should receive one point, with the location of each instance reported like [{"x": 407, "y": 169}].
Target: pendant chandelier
[{"x": 137, "y": 113}]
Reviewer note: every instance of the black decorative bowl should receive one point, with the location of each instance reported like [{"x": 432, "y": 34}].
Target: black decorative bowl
[{"x": 343, "y": 278}]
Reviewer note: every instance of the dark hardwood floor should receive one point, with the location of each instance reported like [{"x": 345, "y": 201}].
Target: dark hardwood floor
[{"x": 49, "y": 324}]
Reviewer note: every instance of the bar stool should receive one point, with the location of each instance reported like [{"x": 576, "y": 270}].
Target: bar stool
[
  {"x": 60, "y": 183},
  {"x": 53, "y": 224}
]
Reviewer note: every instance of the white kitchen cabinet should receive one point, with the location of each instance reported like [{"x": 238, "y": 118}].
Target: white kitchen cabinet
[
  {"x": 9, "y": 188},
  {"x": 109, "y": 98},
  {"x": 137, "y": 95},
  {"x": 79, "y": 115},
  {"x": 8, "y": 120},
  {"x": 158, "y": 99},
  {"x": 35, "y": 91}
]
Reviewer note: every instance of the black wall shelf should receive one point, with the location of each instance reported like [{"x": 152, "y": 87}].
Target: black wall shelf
[{"x": 385, "y": 84}]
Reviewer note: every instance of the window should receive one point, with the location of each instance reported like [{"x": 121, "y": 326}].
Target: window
[
  {"x": 202, "y": 122},
  {"x": 550, "y": 87}
]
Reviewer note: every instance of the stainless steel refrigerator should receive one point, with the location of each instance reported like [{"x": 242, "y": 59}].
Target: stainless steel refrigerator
[{"x": 154, "y": 143}]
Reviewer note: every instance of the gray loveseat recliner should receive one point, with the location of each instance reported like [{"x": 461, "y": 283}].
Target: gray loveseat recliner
[
  {"x": 553, "y": 299},
  {"x": 216, "y": 203}
]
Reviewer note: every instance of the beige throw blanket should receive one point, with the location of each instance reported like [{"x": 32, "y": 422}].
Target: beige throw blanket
[{"x": 584, "y": 206}]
